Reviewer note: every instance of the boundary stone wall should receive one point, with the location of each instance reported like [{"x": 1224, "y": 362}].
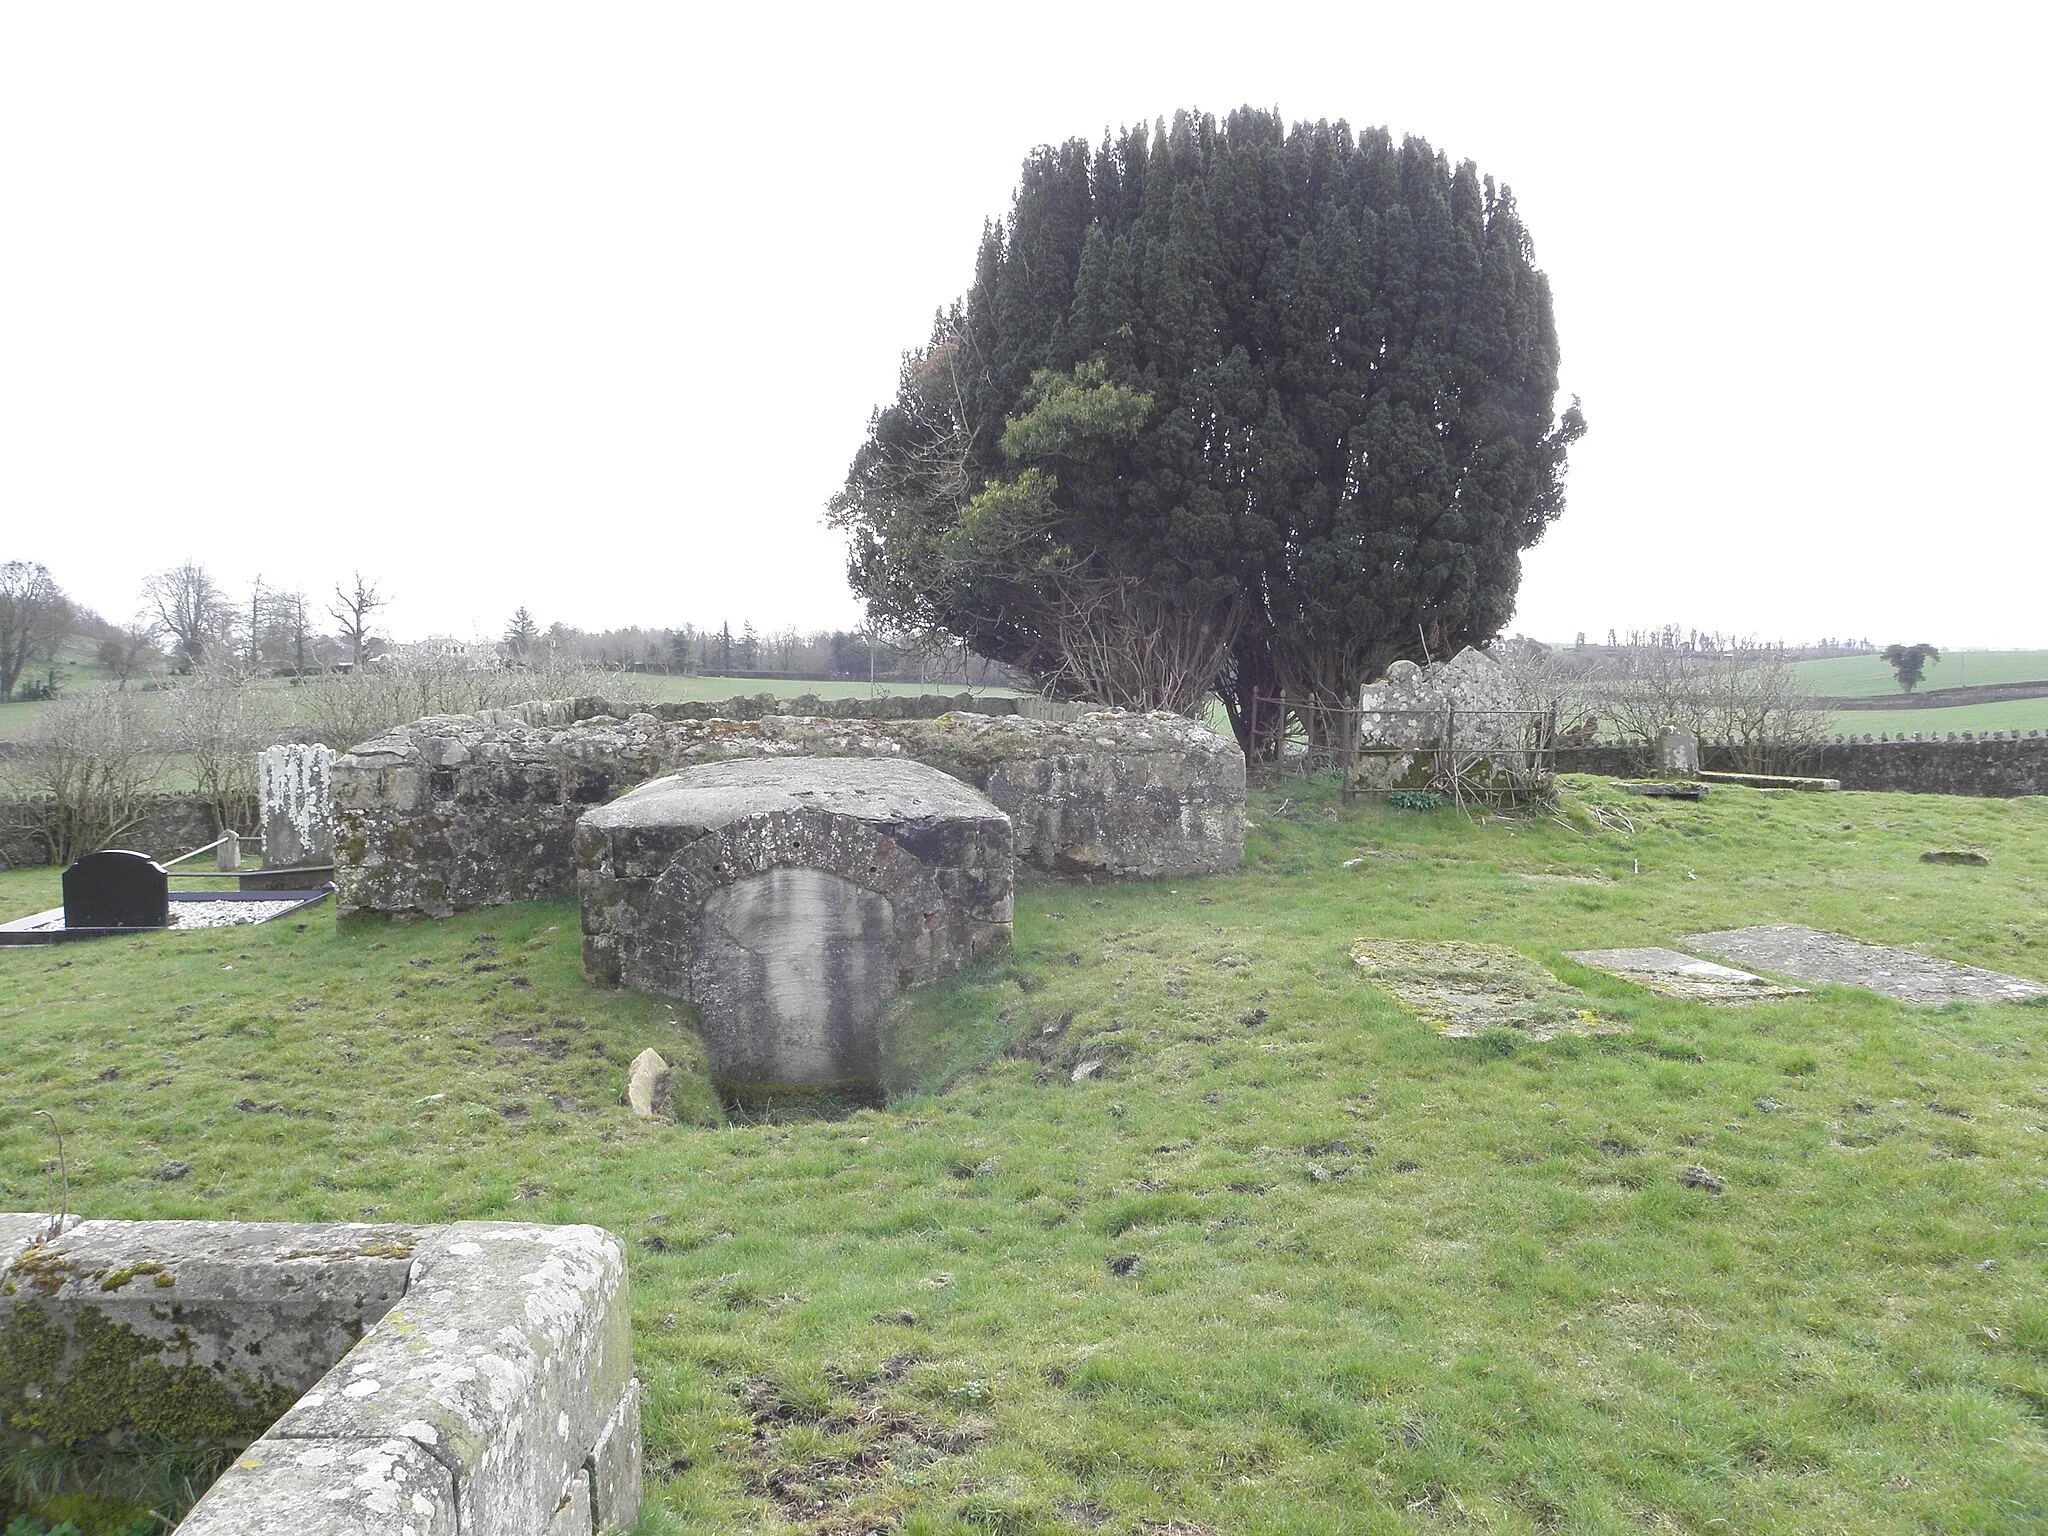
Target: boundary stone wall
[
  {"x": 463, "y": 811},
  {"x": 170, "y": 825},
  {"x": 2003, "y": 765},
  {"x": 473, "y": 1378}
]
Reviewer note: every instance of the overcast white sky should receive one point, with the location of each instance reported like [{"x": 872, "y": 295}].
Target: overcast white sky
[{"x": 585, "y": 307}]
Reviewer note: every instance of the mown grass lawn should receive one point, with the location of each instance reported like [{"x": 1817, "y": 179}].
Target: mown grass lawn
[{"x": 1291, "y": 1262}]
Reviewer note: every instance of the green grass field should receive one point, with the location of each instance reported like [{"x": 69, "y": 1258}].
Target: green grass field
[
  {"x": 2012, "y": 715},
  {"x": 1849, "y": 677},
  {"x": 659, "y": 688},
  {"x": 636, "y": 687},
  {"x": 1293, "y": 1263}
]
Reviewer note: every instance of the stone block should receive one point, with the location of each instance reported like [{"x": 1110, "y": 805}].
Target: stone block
[
  {"x": 615, "y": 1465},
  {"x": 295, "y": 794},
  {"x": 190, "y": 1331},
  {"x": 572, "y": 1509},
  {"x": 650, "y": 1087},
  {"x": 390, "y": 1487},
  {"x": 1678, "y": 751},
  {"x": 506, "y": 1360},
  {"x": 473, "y": 1378},
  {"x": 789, "y": 900}
]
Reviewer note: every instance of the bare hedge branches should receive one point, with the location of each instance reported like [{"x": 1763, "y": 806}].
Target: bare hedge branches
[
  {"x": 1747, "y": 700},
  {"x": 342, "y": 710},
  {"x": 81, "y": 775}
]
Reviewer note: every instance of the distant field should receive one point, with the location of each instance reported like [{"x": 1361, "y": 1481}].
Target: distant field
[
  {"x": 654, "y": 687},
  {"x": 637, "y": 687},
  {"x": 1849, "y": 677},
  {"x": 2012, "y": 715}
]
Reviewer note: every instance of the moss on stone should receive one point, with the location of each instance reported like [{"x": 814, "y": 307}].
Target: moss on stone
[{"x": 66, "y": 1387}]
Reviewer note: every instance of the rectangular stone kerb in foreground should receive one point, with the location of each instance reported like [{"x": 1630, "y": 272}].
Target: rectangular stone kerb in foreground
[{"x": 491, "y": 1395}]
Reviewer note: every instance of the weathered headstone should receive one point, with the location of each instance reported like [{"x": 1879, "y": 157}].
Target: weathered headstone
[
  {"x": 789, "y": 899},
  {"x": 296, "y": 794},
  {"x": 116, "y": 889},
  {"x": 1678, "y": 750},
  {"x": 227, "y": 853}
]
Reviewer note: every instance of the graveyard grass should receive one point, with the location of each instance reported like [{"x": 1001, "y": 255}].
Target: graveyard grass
[{"x": 1290, "y": 1263}]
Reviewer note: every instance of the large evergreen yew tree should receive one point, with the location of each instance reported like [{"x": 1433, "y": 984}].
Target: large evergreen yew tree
[{"x": 1227, "y": 407}]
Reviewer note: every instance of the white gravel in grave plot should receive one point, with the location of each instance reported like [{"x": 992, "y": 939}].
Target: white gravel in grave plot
[{"x": 227, "y": 914}]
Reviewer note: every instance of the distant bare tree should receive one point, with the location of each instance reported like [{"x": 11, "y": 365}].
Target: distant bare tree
[
  {"x": 129, "y": 652},
  {"x": 35, "y": 620},
  {"x": 191, "y": 612},
  {"x": 218, "y": 722},
  {"x": 288, "y": 636},
  {"x": 80, "y": 776},
  {"x": 1746, "y": 698},
  {"x": 352, "y": 609}
]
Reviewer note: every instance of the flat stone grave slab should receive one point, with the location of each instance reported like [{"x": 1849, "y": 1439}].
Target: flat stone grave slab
[
  {"x": 1464, "y": 989},
  {"x": 1672, "y": 974},
  {"x": 1663, "y": 789},
  {"x": 1812, "y": 955}
]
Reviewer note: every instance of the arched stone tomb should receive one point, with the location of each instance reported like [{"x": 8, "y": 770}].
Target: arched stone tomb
[{"x": 789, "y": 899}]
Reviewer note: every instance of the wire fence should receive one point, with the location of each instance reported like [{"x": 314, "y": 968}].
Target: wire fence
[{"x": 1495, "y": 757}]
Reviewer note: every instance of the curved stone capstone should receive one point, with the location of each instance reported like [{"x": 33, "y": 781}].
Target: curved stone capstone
[{"x": 789, "y": 900}]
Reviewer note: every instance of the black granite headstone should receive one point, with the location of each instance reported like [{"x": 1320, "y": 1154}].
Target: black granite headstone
[{"x": 116, "y": 889}]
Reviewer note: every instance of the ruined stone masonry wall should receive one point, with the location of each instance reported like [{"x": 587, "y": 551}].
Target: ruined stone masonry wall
[{"x": 466, "y": 811}]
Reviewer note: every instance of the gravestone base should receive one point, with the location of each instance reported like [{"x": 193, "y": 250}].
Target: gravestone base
[{"x": 790, "y": 900}]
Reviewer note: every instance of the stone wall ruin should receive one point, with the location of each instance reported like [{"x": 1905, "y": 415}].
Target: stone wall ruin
[{"x": 463, "y": 811}]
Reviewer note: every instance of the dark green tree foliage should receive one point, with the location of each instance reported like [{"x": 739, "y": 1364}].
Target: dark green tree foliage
[
  {"x": 1909, "y": 663},
  {"x": 1264, "y": 408}
]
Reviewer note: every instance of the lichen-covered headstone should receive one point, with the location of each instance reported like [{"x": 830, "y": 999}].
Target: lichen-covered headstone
[
  {"x": 295, "y": 788},
  {"x": 1678, "y": 750}
]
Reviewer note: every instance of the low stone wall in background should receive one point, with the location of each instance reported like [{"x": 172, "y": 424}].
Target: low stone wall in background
[
  {"x": 2000, "y": 766},
  {"x": 463, "y": 811},
  {"x": 172, "y": 824}
]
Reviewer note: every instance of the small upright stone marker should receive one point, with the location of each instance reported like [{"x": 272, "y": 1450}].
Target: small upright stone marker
[
  {"x": 1678, "y": 750},
  {"x": 650, "y": 1091},
  {"x": 228, "y": 851}
]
